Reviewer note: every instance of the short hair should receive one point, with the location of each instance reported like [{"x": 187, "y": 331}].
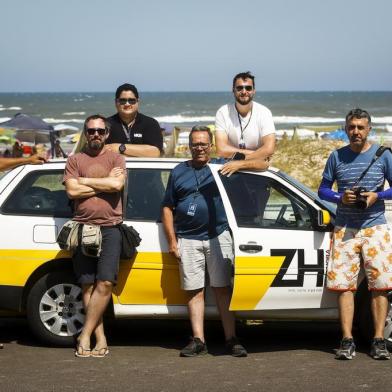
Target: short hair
[
  {"x": 244, "y": 75},
  {"x": 200, "y": 128},
  {"x": 358, "y": 113},
  {"x": 96, "y": 117},
  {"x": 127, "y": 87}
]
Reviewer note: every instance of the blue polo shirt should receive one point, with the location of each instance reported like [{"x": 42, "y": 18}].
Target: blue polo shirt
[
  {"x": 198, "y": 208},
  {"x": 345, "y": 167}
]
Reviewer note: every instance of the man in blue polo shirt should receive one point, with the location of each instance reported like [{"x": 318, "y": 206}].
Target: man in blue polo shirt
[
  {"x": 361, "y": 232},
  {"x": 198, "y": 235}
]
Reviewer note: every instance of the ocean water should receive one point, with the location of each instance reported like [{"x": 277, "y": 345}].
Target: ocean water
[{"x": 289, "y": 109}]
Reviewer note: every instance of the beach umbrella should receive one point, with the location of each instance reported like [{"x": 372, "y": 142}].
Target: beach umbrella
[{"x": 29, "y": 128}]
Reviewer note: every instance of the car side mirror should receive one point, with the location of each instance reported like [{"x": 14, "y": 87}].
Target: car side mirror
[{"x": 323, "y": 218}]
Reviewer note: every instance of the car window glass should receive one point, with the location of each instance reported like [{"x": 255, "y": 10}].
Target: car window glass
[
  {"x": 145, "y": 192},
  {"x": 40, "y": 193},
  {"x": 262, "y": 202}
]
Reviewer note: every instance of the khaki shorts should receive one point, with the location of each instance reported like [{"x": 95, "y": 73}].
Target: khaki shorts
[
  {"x": 216, "y": 254},
  {"x": 348, "y": 245}
]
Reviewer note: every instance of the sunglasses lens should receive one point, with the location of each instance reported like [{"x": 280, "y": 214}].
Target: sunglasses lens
[
  {"x": 247, "y": 88},
  {"x": 124, "y": 101},
  {"x": 91, "y": 131}
]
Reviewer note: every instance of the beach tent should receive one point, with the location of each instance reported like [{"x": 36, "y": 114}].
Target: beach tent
[
  {"x": 339, "y": 134},
  {"x": 29, "y": 128}
]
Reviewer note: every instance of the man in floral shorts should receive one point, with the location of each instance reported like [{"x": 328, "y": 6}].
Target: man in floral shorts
[{"x": 361, "y": 235}]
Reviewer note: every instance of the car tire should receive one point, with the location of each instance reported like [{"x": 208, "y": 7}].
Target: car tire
[
  {"x": 55, "y": 309},
  {"x": 365, "y": 318}
]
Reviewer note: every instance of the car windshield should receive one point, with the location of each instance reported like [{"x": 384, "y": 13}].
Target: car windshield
[{"x": 313, "y": 195}]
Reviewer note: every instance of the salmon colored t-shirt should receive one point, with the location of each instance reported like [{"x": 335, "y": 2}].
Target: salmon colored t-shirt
[{"x": 104, "y": 209}]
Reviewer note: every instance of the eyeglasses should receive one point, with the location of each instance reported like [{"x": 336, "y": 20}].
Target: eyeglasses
[
  {"x": 124, "y": 101},
  {"x": 91, "y": 131},
  {"x": 200, "y": 145},
  {"x": 240, "y": 88},
  {"x": 351, "y": 127}
]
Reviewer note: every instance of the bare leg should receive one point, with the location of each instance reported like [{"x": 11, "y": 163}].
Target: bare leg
[
  {"x": 196, "y": 312},
  {"x": 99, "y": 299},
  {"x": 346, "y": 312},
  {"x": 99, "y": 331},
  {"x": 379, "y": 312},
  {"x": 223, "y": 297}
]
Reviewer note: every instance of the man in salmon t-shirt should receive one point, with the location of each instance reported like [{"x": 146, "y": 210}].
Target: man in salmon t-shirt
[{"x": 94, "y": 179}]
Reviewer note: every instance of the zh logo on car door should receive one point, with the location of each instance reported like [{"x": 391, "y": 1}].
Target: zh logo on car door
[{"x": 302, "y": 268}]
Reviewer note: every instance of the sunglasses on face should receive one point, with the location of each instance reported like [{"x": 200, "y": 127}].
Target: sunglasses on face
[
  {"x": 240, "y": 88},
  {"x": 91, "y": 131},
  {"x": 359, "y": 127},
  {"x": 124, "y": 101}
]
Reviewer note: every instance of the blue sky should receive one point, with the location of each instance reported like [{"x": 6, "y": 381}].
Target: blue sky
[{"x": 174, "y": 45}]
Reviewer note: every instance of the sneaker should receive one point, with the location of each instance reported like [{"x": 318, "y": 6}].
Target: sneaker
[
  {"x": 194, "y": 348},
  {"x": 235, "y": 348},
  {"x": 379, "y": 349},
  {"x": 346, "y": 349}
]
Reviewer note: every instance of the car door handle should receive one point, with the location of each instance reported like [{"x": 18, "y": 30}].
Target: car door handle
[{"x": 251, "y": 248}]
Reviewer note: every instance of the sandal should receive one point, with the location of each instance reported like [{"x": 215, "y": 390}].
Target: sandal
[
  {"x": 82, "y": 352},
  {"x": 99, "y": 352}
]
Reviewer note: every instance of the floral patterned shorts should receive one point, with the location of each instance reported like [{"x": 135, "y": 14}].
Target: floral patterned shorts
[{"x": 375, "y": 246}]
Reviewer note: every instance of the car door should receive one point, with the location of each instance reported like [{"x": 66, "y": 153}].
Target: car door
[
  {"x": 280, "y": 249},
  {"x": 151, "y": 277}
]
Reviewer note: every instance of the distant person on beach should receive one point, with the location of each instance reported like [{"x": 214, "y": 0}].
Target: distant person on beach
[
  {"x": 244, "y": 129},
  {"x": 58, "y": 150},
  {"x": 361, "y": 238},
  {"x": 17, "y": 150},
  {"x": 131, "y": 132}
]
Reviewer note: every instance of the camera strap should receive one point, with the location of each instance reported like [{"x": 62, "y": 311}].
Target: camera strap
[{"x": 377, "y": 155}]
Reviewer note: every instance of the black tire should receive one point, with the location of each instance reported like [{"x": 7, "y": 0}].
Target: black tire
[
  {"x": 55, "y": 309},
  {"x": 365, "y": 318}
]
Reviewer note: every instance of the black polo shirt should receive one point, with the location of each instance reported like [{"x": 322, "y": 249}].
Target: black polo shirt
[{"x": 145, "y": 130}]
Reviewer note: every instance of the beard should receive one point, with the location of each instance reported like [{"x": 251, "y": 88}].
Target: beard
[
  {"x": 244, "y": 100},
  {"x": 95, "y": 145}
]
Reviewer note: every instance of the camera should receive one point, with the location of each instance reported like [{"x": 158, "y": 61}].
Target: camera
[{"x": 361, "y": 201}]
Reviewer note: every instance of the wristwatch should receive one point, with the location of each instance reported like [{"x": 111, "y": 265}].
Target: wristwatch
[{"x": 122, "y": 148}]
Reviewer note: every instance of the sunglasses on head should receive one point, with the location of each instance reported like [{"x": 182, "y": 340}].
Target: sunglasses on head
[
  {"x": 240, "y": 88},
  {"x": 91, "y": 131},
  {"x": 124, "y": 101}
]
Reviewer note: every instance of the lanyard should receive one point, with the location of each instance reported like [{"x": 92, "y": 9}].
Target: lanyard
[
  {"x": 127, "y": 132},
  {"x": 243, "y": 129}
]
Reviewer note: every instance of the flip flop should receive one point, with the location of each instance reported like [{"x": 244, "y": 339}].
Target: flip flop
[
  {"x": 82, "y": 352},
  {"x": 99, "y": 352}
]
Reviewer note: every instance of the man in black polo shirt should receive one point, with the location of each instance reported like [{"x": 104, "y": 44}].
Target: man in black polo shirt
[{"x": 132, "y": 133}]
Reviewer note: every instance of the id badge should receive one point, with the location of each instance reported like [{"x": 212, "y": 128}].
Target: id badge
[{"x": 192, "y": 209}]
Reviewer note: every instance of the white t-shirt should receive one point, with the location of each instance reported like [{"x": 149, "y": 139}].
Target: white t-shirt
[{"x": 255, "y": 125}]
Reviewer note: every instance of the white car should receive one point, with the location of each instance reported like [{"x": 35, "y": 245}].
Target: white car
[{"x": 281, "y": 233}]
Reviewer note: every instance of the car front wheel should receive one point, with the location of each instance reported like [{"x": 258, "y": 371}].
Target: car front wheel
[{"x": 55, "y": 308}]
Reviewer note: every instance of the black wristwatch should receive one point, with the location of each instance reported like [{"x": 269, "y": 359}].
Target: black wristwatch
[{"x": 122, "y": 148}]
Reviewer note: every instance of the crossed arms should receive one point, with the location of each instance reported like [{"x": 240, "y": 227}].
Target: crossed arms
[{"x": 84, "y": 187}]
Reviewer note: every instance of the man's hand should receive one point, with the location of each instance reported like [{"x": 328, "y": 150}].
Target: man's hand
[
  {"x": 116, "y": 172},
  {"x": 173, "y": 249},
  {"x": 37, "y": 159},
  {"x": 349, "y": 197},
  {"x": 231, "y": 167},
  {"x": 371, "y": 197}
]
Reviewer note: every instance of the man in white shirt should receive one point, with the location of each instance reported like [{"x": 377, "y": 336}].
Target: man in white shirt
[{"x": 244, "y": 129}]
